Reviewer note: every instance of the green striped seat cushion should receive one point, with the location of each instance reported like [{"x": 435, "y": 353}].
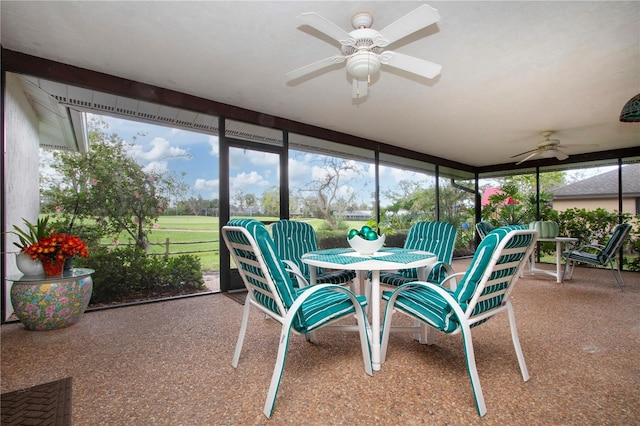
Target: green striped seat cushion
[
  {"x": 435, "y": 237},
  {"x": 437, "y": 275},
  {"x": 427, "y": 306},
  {"x": 583, "y": 256},
  {"x": 335, "y": 277},
  {"x": 293, "y": 239},
  {"x": 432, "y": 309},
  {"x": 322, "y": 307}
]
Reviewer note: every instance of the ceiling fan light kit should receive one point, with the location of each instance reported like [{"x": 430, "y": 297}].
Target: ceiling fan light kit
[
  {"x": 631, "y": 110},
  {"x": 363, "y": 64},
  {"x": 363, "y": 48}
]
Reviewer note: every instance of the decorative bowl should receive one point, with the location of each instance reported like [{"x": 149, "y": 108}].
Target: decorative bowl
[{"x": 366, "y": 247}]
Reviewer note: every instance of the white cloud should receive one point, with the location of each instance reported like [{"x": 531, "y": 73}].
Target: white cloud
[
  {"x": 244, "y": 181},
  {"x": 238, "y": 158},
  {"x": 161, "y": 150},
  {"x": 263, "y": 158},
  {"x": 298, "y": 173},
  {"x": 212, "y": 186},
  {"x": 156, "y": 166},
  {"x": 214, "y": 143}
]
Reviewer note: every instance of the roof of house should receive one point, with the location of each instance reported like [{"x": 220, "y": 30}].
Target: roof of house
[{"x": 605, "y": 184}]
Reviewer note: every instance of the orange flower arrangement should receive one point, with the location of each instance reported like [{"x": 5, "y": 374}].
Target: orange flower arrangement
[{"x": 55, "y": 249}]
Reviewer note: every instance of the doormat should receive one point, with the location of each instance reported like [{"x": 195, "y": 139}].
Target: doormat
[
  {"x": 46, "y": 404},
  {"x": 238, "y": 296}
]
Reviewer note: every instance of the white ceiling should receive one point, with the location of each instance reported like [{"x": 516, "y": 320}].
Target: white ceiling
[{"x": 510, "y": 70}]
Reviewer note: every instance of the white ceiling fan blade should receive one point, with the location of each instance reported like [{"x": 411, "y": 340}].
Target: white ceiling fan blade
[
  {"x": 308, "y": 69},
  {"x": 528, "y": 157},
  {"x": 561, "y": 155},
  {"x": 579, "y": 145},
  {"x": 416, "y": 20},
  {"x": 411, "y": 64},
  {"x": 523, "y": 153},
  {"x": 323, "y": 25},
  {"x": 360, "y": 89}
]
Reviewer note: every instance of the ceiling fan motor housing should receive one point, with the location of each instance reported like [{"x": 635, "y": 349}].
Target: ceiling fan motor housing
[{"x": 363, "y": 64}]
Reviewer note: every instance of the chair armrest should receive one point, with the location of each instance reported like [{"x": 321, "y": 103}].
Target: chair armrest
[
  {"x": 594, "y": 246},
  {"x": 447, "y": 268},
  {"x": 588, "y": 248},
  {"x": 453, "y": 278},
  {"x": 294, "y": 269}
]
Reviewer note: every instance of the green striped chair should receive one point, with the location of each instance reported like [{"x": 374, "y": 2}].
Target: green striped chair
[
  {"x": 482, "y": 292},
  {"x": 484, "y": 228},
  {"x": 271, "y": 291},
  {"x": 599, "y": 255},
  {"x": 438, "y": 238},
  {"x": 292, "y": 240}
]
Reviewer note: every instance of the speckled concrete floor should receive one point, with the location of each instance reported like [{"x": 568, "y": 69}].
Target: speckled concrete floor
[{"x": 169, "y": 363}]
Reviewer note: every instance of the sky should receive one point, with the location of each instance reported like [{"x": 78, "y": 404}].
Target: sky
[
  {"x": 196, "y": 156},
  {"x": 168, "y": 149}
]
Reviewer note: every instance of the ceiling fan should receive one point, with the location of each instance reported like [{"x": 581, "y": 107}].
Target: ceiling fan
[
  {"x": 363, "y": 48},
  {"x": 548, "y": 148}
]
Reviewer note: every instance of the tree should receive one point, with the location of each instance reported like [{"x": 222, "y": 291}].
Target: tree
[
  {"x": 330, "y": 198},
  {"x": 411, "y": 203},
  {"x": 108, "y": 186},
  {"x": 517, "y": 204},
  {"x": 271, "y": 201},
  {"x": 194, "y": 205}
]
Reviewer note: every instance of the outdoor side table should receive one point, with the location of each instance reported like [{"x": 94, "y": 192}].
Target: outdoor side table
[{"x": 560, "y": 242}]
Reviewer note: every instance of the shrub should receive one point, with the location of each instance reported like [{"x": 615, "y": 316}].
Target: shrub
[
  {"x": 589, "y": 226},
  {"x": 596, "y": 226},
  {"x": 127, "y": 272}
]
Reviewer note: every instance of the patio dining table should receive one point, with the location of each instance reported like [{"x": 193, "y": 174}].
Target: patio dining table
[{"x": 386, "y": 259}]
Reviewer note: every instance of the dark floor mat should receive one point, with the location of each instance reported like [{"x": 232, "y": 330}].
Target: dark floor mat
[
  {"x": 238, "y": 296},
  {"x": 46, "y": 404}
]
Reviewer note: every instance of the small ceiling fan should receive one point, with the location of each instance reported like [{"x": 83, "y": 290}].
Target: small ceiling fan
[
  {"x": 549, "y": 148},
  {"x": 363, "y": 48}
]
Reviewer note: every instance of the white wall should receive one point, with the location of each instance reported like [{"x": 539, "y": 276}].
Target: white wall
[{"x": 22, "y": 162}]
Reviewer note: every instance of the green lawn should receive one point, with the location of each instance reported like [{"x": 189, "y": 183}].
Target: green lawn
[
  {"x": 200, "y": 234},
  {"x": 196, "y": 235}
]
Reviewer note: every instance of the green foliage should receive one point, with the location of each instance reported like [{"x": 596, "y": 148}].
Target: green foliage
[
  {"x": 634, "y": 246},
  {"x": 465, "y": 240},
  {"x": 380, "y": 228},
  {"x": 589, "y": 226},
  {"x": 515, "y": 207},
  {"x": 595, "y": 227},
  {"x": 129, "y": 271},
  {"x": 108, "y": 187},
  {"x": 270, "y": 201},
  {"x": 339, "y": 226},
  {"x": 32, "y": 233}
]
